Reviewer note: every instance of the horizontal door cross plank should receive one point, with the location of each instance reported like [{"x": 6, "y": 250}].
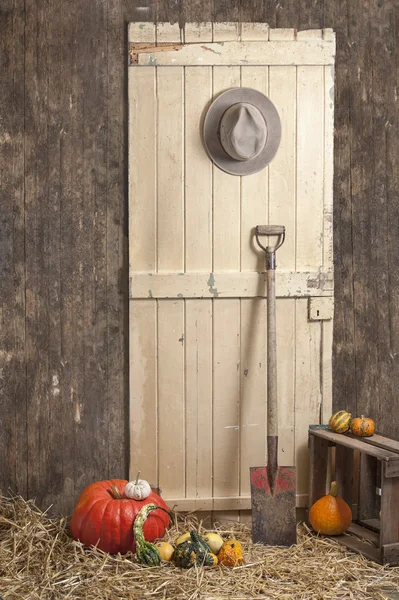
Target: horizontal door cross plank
[
  {"x": 297, "y": 52},
  {"x": 228, "y": 285},
  {"x": 221, "y": 503}
]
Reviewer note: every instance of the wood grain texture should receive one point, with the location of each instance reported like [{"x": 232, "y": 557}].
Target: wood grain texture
[
  {"x": 13, "y": 442},
  {"x": 42, "y": 244},
  {"x": 117, "y": 322},
  {"x": 366, "y": 187}
]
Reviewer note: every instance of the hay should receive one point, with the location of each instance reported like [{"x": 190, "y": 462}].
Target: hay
[{"x": 38, "y": 560}]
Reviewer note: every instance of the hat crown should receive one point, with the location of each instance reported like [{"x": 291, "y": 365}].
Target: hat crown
[{"x": 243, "y": 131}]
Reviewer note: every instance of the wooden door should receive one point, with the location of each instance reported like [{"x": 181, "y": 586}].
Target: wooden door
[{"x": 197, "y": 306}]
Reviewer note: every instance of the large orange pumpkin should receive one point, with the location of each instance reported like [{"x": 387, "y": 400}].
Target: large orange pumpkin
[
  {"x": 103, "y": 520},
  {"x": 330, "y": 515}
]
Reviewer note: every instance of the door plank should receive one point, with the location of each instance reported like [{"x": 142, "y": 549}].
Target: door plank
[
  {"x": 282, "y": 168},
  {"x": 254, "y": 188},
  {"x": 326, "y": 370},
  {"x": 141, "y": 32},
  {"x": 285, "y": 314},
  {"x": 170, "y": 169},
  {"x": 198, "y": 386},
  {"x": 226, "y": 399},
  {"x": 226, "y": 192},
  {"x": 198, "y": 172},
  {"x": 227, "y": 284},
  {"x": 307, "y": 388},
  {"x": 310, "y": 152},
  {"x": 253, "y": 376},
  {"x": 143, "y": 390},
  {"x": 198, "y": 32},
  {"x": 171, "y": 404},
  {"x": 142, "y": 169}
]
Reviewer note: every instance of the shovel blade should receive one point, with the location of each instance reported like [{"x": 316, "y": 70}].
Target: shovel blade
[{"x": 273, "y": 511}]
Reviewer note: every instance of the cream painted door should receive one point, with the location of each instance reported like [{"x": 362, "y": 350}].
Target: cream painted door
[{"x": 197, "y": 308}]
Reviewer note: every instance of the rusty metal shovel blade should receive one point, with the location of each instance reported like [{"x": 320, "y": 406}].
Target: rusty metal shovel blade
[{"x": 273, "y": 506}]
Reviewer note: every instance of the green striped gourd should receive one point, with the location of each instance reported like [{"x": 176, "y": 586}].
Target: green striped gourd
[
  {"x": 194, "y": 551},
  {"x": 340, "y": 421},
  {"x": 147, "y": 553}
]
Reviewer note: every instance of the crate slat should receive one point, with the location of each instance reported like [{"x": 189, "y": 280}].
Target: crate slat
[
  {"x": 356, "y": 444},
  {"x": 353, "y": 543}
]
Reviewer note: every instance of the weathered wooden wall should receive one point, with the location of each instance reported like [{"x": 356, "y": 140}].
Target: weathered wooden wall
[{"x": 63, "y": 225}]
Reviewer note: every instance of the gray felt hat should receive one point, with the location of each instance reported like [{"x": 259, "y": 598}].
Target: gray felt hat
[{"x": 242, "y": 131}]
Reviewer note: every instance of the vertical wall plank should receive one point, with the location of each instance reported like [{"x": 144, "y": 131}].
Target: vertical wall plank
[
  {"x": 226, "y": 191},
  {"x": 198, "y": 386},
  {"x": 94, "y": 257},
  {"x": 198, "y": 172},
  {"x": 117, "y": 279},
  {"x": 143, "y": 390},
  {"x": 347, "y": 88},
  {"x": 170, "y": 168},
  {"x": 37, "y": 254},
  {"x": 171, "y": 408},
  {"x": 13, "y": 441}
]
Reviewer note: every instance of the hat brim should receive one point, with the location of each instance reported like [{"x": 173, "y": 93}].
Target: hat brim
[{"x": 211, "y": 131}]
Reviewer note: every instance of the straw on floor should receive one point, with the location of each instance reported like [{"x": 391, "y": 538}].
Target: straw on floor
[{"x": 38, "y": 560}]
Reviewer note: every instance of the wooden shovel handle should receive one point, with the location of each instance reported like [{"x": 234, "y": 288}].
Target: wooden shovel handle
[{"x": 272, "y": 422}]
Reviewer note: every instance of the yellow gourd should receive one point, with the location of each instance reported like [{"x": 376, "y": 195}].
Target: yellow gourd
[
  {"x": 182, "y": 538},
  {"x": 165, "y": 550},
  {"x": 214, "y": 541}
]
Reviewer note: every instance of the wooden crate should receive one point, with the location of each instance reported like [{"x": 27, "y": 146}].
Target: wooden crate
[{"x": 375, "y": 529}]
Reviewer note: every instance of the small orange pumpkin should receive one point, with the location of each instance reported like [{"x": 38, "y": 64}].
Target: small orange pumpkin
[
  {"x": 362, "y": 426},
  {"x": 230, "y": 554},
  {"x": 330, "y": 515}
]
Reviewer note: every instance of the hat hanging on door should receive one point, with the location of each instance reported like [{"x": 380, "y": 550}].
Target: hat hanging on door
[{"x": 242, "y": 131}]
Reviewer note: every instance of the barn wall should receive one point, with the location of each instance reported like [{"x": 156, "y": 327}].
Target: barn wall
[{"x": 63, "y": 224}]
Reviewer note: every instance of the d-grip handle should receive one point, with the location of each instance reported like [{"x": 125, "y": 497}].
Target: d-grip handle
[{"x": 270, "y": 230}]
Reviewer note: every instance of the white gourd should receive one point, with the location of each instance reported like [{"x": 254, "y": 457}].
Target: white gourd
[{"x": 138, "y": 490}]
